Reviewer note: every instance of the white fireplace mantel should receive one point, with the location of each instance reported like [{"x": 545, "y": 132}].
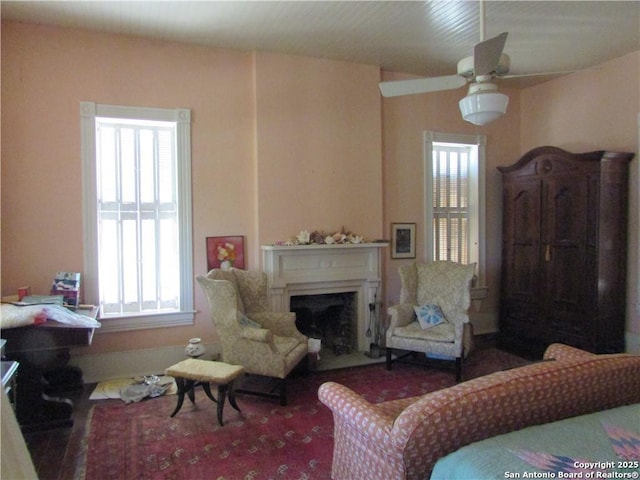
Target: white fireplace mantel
[{"x": 317, "y": 269}]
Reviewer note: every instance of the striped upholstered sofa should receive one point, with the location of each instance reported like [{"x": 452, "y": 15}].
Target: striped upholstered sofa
[{"x": 403, "y": 439}]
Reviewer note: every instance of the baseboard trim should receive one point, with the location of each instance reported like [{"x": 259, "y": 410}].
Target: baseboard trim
[
  {"x": 107, "y": 366},
  {"x": 632, "y": 342}
]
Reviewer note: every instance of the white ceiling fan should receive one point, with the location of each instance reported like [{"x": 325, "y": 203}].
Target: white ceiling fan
[{"x": 483, "y": 102}]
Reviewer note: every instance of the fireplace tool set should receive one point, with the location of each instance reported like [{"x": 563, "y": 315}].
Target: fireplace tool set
[{"x": 375, "y": 349}]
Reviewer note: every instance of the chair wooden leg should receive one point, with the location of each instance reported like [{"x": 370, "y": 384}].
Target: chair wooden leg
[
  {"x": 459, "y": 361},
  {"x": 388, "y": 358},
  {"x": 283, "y": 392}
]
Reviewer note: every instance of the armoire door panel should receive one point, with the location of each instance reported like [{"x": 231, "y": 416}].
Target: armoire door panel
[
  {"x": 564, "y": 237},
  {"x": 524, "y": 239}
]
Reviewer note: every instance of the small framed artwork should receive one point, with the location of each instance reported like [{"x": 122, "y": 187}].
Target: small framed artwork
[
  {"x": 403, "y": 240},
  {"x": 225, "y": 252}
]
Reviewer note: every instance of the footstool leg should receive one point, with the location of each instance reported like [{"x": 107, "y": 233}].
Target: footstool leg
[
  {"x": 232, "y": 395},
  {"x": 207, "y": 389},
  {"x": 191, "y": 391},
  {"x": 181, "y": 390},
  {"x": 222, "y": 395}
]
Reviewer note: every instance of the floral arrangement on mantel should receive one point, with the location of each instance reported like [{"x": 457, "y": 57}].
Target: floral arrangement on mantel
[{"x": 318, "y": 237}]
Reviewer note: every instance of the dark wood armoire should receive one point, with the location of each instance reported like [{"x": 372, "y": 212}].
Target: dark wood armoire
[{"x": 564, "y": 250}]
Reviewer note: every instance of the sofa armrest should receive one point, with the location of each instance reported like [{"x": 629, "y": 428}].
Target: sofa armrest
[
  {"x": 358, "y": 413},
  {"x": 559, "y": 351}
]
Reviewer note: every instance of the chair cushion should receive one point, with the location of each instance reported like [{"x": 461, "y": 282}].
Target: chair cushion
[
  {"x": 285, "y": 345},
  {"x": 429, "y": 315},
  {"x": 445, "y": 332},
  {"x": 247, "y": 322}
]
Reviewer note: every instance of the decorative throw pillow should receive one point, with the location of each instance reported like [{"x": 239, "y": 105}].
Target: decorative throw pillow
[
  {"x": 429, "y": 315},
  {"x": 247, "y": 322}
]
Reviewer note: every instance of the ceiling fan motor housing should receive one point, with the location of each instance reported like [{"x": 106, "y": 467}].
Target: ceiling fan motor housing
[{"x": 465, "y": 67}]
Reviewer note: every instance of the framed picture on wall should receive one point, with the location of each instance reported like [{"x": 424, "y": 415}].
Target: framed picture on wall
[
  {"x": 403, "y": 240},
  {"x": 225, "y": 252}
]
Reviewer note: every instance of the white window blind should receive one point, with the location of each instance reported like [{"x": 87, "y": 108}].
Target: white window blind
[
  {"x": 137, "y": 215},
  {"x": 451, "y": 202},
  {"x": 454, "y": 200}
]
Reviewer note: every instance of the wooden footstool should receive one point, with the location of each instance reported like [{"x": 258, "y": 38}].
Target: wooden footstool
[{"x": 192, "y": 372}]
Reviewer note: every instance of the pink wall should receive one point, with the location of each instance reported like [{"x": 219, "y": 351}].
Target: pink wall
[
  {"x": 318, "y": 147},
  {"x": 46, "y": 73},
  {"x": 279, "y": 144},
  {"x": 598, "y": 109},
  {"x": 404, "y": 121}
]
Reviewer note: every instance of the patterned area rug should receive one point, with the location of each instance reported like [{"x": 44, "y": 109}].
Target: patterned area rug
[{"x": 265, "y": 441}]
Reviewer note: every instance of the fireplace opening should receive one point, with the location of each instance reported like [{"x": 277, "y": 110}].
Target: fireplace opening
[{"x": 331, "y": 317}]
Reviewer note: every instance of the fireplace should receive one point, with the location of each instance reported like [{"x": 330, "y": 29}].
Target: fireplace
[
  {"x": 330, "y": 317},
  {"x": 327, "y": 270}
]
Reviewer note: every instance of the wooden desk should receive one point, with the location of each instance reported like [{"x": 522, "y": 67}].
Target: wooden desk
[{"x": 43, "y": 353}]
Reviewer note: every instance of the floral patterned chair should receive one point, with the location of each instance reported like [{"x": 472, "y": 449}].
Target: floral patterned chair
[
  {"x": 431, "y": 316},
  {"x": 265, "y": 343}
]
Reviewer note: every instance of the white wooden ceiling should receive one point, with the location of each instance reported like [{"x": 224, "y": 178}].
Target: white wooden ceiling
[{"x": 424, "y": 38}]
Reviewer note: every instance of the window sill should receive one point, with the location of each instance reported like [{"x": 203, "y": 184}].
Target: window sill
[{"x": 144, "y": 322}]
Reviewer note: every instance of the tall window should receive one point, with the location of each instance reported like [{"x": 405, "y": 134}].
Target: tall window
[
  {"x": 137, "y": 215},
  {"x": 454, "y": 198}
]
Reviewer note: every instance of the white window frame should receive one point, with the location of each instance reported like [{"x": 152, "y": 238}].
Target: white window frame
[
  {"x": 477, "y": 215},
  {"x": 182, "y": 117}
]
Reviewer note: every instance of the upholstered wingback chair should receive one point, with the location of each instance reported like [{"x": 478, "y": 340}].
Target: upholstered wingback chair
[
  {"x": 264, "y": 342},
  {"x": 431, "y": 316}
]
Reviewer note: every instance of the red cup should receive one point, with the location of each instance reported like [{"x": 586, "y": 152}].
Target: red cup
[{"x": 23, "y": 292}]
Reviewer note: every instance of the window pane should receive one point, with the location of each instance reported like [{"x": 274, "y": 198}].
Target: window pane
[
  {"x": 109, "y": 261},
  {"x": 147, "y": 173},
  {"x": 130, "y": 261},
  {"x": 170, "y": 274},
  {"x": 453, "y": 180},
  {"x": 107, "y": 165},
  {"x": 167, "y": 180},
  {"x": 464, "y": 180},
  {"x": 441, "y": 181},
  {"x": 464, "y": 241},
  {"x": 148, "y": 251},
  {"x": 128, "y": 165}
]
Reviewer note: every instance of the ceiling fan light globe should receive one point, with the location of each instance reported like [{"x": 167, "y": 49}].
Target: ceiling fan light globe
[{"x": 483, "y": 108}]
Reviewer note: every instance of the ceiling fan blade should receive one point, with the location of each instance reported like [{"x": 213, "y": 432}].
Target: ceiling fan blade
[
  {"x": 421, "y": 85},
  {"x": 486, "y": 55},
  {"x": 541, "y": 74}
]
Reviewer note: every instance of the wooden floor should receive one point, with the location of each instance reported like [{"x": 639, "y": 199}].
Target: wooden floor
[{"x": 55, "y": 452}]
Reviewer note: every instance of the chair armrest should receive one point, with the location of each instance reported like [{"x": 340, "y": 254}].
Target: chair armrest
[
  {"x": 280, "y": 323},
  {"x": 457, "y": 317},
  {"x": 401, "y": 315},
  {"x": 354, "y": 410},
  {"x": 257, "y": 334}
]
